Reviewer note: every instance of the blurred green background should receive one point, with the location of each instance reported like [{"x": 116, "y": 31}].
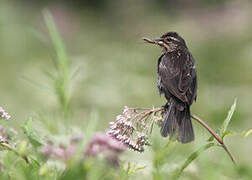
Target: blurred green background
[{"x": 115, "y": 68}]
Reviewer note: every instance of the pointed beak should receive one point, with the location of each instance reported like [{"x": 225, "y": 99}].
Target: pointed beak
[{"x": 158, "y": 41}]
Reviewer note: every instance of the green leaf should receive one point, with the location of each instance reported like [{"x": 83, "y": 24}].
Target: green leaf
[
  {"x": 211, "y": 138},
  {"x": 246, "y": 133},
  {"x": 140, "y": 168},
  {"x": 34, "y": 162},
  {"x": 22, "y": 148},
  {"x": 192, "y": 157},
  {"x": 129, "y": 169},
  {"x": 57, "y": 41},
  {"x": 227, "y": 120},
  {"x": 227, "y": 133},
  {"x": 62, "y": 80},
  {"x": 32, "y": 135}
]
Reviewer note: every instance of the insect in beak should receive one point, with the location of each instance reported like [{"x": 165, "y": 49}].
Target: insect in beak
[
  {"x": 152, "y": 41},
  {"x": 158, "y": 41}
]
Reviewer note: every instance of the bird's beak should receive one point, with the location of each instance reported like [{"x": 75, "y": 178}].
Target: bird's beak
[{"x": 158, "y": 41}]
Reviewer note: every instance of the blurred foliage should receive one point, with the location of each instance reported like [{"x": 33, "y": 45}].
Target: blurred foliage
[{"x": 103, "y": 4}]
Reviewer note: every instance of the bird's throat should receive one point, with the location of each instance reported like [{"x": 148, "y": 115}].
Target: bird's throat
[{"x": 169, "y": 47}]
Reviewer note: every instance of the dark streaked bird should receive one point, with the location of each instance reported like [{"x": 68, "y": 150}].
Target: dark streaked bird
[{"x": 177, "y": 80}]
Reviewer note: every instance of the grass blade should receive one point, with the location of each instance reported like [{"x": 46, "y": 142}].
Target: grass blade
[
  {"x": 228, "y": 119},
  {"x": 62, "y": 80}
]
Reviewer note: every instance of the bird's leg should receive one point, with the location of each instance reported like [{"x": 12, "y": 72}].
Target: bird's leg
[{"x": 166, "y": 105}]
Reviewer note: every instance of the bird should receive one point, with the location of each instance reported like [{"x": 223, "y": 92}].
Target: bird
[{"x": 177, "y": 80}]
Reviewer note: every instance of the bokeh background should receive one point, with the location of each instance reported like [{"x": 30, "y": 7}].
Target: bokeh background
[{"x": 114, "y": 67}]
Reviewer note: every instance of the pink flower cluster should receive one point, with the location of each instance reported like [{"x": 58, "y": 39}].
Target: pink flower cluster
[
  {"x": 109, "y": 147},
  {"x": 58, "y": 151},
  {"x": 124, "y": 129},
  {"x": 100, "y": 144}
]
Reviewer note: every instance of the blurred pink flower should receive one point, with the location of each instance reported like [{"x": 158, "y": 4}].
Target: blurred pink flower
[
  {"x": 47, "y": 149},
  {"x": 3, "y": 135},
  {"x": 65, "y": 153},
  {"x": 106, "y": 145},
  {"x": 4, "y": 114},
  {"x": 60, "y": 151}
]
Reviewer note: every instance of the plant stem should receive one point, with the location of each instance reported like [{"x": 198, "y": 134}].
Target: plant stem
[
  {"x": 9, "y": 148},
  {"x": 215, "y": 135},
  {"x": 210, "y": 130},
  {"x": 150, "y": 112},
  {"x": 201, "y": 122}
]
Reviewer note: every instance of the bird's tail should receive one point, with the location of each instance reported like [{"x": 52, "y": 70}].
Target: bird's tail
[{"x": 177, "y": 122}]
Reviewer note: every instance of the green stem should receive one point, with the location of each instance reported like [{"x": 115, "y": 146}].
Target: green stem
[
  {"x": 9, "y": 148},
  {"x": 216, "y": 136}
]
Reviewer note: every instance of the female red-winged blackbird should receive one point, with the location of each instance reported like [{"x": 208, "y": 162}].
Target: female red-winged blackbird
[{"x": 177, "y": 79}]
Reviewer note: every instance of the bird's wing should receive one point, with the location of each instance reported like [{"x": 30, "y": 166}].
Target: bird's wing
[{"x": 178, "y": 75}]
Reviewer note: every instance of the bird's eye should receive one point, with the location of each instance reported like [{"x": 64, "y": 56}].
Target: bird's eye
[{"x": 169, "y": 39}]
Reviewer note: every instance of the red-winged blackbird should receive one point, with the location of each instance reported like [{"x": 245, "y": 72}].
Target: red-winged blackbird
[{"x": 177, "y": 80}]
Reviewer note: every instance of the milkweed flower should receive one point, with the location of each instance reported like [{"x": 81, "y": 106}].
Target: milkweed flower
[{"x": 134, "y": 126}]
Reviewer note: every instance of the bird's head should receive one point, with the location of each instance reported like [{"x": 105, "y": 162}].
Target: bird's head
[{"x": 169, "y": 41}]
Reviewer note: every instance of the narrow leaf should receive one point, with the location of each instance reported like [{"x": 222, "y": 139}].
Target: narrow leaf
[
  {"x": 247, "y": 133},
  {"x": 31, "y": 133},
  {"x": 211, "y": 138},
  {"x": 192, "y": 157},
  {"x": 57, "y": 41},
  {"x": 228, "y": 119},
  {"x": 140, "y": 168},
  {"x": 227, "y": 133}
]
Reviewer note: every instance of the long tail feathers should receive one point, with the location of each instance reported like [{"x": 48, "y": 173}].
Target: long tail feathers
[
  {"x": 169, "y": 124},
  {"x": 178, "y": 123}
]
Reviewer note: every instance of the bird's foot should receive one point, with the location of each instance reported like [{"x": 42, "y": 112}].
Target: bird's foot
[{"x": 166, "y": 105}]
